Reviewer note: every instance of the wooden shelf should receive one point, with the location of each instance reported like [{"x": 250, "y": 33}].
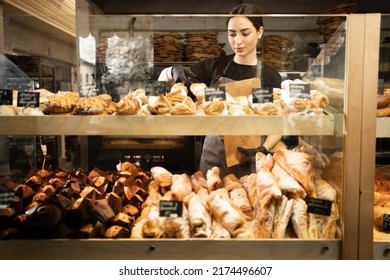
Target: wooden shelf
[
  {"x": 162, "y": 249},
  {"x": 293, "y": 124}
]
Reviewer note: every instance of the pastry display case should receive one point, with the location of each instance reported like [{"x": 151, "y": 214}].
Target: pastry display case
[
  {"x": 332, "y": 137},
  {"x": 382, "y": 164}
]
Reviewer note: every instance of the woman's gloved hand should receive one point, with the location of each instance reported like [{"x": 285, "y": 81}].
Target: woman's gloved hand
[
  {"x": 181, "y": 74},
  {"x": 250, "y": 155},
  {"x": 252, "y": 152}
]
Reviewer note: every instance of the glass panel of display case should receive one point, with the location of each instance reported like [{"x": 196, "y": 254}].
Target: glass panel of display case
[{"x": 119, "y": 55}]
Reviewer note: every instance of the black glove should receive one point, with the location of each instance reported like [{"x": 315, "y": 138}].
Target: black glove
[
  {"x": 181, "y": 74},
  {"x": 253, "y": 152}
]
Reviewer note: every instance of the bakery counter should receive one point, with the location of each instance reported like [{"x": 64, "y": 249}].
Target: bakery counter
[
  {"x": 293, "y": 124},
  {"x": 125, "y": 249}
]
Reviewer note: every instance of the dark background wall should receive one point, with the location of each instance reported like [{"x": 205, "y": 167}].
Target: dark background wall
[{"x": 224, "y": 6}]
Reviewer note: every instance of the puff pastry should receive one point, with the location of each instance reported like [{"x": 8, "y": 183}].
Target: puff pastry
[
  {"x": 225, "y": 213},
  {"x": 213, "y": 178},
  {"x": 300, "y": 166},
  {"x": 288, "y": 185},
  {"x": 199, "y": 217},
  {"x": 162, "y": 176},
  {"x": 181, "y": 186}
]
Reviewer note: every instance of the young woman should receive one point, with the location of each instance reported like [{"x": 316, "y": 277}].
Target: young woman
[{"x": 245, "y": 29}]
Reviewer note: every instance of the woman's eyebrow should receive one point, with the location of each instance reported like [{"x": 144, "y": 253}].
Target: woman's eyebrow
[{"x": 244, "y": 29}]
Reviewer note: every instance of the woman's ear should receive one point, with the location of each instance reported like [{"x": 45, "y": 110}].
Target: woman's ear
[{"x": 260, "y": 32}]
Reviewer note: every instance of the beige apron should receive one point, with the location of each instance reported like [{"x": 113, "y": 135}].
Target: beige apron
[{"x": 235, "y": 89}]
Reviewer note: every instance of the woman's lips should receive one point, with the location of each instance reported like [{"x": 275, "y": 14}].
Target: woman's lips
[{"x": 239, "y": 49}]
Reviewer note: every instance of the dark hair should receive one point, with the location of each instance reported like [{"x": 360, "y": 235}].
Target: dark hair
[{"x": 248, "y": 9}]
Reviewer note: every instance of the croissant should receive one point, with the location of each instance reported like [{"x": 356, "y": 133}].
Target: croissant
[
  {"x": 266, "y": 109},
  {"x": 214, "y": 108},
  {"x": 128, "y": 106},
  {"x": 175, "y": 97},
  {"x": 185, "y": 107},
  {"x": 159, "y": 105},
  {"x": 301, "y": 104}
]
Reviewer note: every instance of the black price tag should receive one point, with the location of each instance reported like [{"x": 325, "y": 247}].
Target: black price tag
[
  {"x": 299, "y": 90},
  {"x": 6, "y": 96},
  {"x": 260, "y": 95},
  {"x": 28, "y": 99},
  {"x": 386, "y": 223},
  {"x": 171, "y": 208},
  {"x": 155, "y": 88},
  {"x": 6, "y": 198},
  {"x": 215, "y": 94},
  {"x": 318, "y": 206}
]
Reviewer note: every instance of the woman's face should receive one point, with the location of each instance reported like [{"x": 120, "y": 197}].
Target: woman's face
[{"x": 243, "y": 36}]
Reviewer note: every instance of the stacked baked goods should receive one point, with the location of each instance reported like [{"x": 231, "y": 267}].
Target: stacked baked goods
[
  {"x": 201, "y": 45},
  {"x": 382, "y": 203},
  {"x": 333, "y": 88},
  {"x": 276, "y": 50},
  {"x": 75, "y": 204},
  {"x": 176, "y": 101},
  {"x": 327, "y": 25},
  {"x": 269, "y": 203},
  {"x": 70, "y": 103},
  {"x": 168, "y": 47}
]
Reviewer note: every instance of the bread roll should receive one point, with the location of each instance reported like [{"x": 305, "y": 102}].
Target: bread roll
[
  {"x": 383, "y": 112},
  {"x": 383, "y": 101}
]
